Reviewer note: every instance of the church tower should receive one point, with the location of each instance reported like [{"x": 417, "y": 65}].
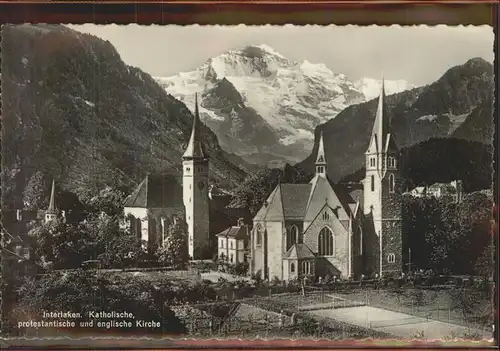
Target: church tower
[
  {"x": 383, "y": 193},
  {"x": 320, "y": 158},
  {"x": 51, "y": 212},
  {"x": 195, "y": 191}
]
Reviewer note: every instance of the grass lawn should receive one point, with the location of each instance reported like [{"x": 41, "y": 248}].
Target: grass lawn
[{"x": 440, "y": 305}]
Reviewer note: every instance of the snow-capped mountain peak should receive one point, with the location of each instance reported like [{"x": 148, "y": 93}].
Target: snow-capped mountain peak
[{"x": 291, "y": 97}]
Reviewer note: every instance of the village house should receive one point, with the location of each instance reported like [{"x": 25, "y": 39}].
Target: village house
[{"x": 233, "y": 243}]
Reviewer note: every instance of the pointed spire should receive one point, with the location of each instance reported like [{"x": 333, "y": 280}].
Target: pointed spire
[
  {"x": 195, "y": 147},
  {"x": 381, "y": 127},
  {"x": 52, "y": 201},
  {"x": 320, "y": 157}
]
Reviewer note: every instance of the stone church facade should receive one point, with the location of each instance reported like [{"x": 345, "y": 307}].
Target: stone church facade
[
  {"x": 320, "y": 228},
  {"x": 158, "y": 198}
]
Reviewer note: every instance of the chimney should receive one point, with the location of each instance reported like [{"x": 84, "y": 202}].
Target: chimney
[{"x": 241, "y": 222}]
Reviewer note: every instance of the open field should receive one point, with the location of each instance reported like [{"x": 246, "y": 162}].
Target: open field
[
  {"x": 439, "y": 305},
  {"x": 399, "y": 324}
]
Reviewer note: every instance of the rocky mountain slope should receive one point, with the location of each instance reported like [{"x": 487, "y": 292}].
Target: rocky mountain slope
[
  {"x": 73, "y": 110},
  {"x": 284, "y": 99},
  {"x": 458, "y": 105}
]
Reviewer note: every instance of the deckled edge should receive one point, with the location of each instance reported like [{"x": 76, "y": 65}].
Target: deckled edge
[{"x": 394, "y": 342}]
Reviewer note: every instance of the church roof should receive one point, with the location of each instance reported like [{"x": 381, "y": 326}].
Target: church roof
[
  {"x": 236, "y": 232},
  {"x": 287, "y": 201},
  {"x": 299, "y": 251},
  {"x": 381, "y": 128},
  {"x": 195, "y": 147},
  {"x": 157, "y": 191},
  {"x": 323, "y": 192},
  {"x": 294, "y": 198}
]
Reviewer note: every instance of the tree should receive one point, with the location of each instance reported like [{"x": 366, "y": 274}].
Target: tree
[
  {"x": 107, "y": 200},
  {"x": 118, "y": 248},
  {"x": 255, "y": 189},
  {"x": 174, "y": 251},
  {"x": 36, "y": 193},
  {"x": 66, "y": 245}
]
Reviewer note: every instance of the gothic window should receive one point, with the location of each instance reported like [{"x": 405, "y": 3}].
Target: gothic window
[
  {"x": 138, "y": 226},
  {"x": 325, "y": 242},
  {"x": 372, "y": 161},
  {"x": 259, "y": 238},
  {"x": 326, "y": 216},
  {"x": 360, "y": 232},
  {"x": 231, "y": 244},
  {"x": 231, "y": 259},
  {"x": 222, "y": 243},
  {"x": 306, "y": 267},
  {"x": 292, "y": 267},
  {"x": 391, "y": 258},
  {"x": 188, "y": 169},
  {"x": 372, "y": 181},
  {"x": 391, "y": 183},
  {"x": 392, "y": 162},
  {"x": 201, "y": 185},
  {"x": 293, "y": 237}
]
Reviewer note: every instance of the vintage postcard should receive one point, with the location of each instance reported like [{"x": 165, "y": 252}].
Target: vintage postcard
[{"x": 247, "y": 182}]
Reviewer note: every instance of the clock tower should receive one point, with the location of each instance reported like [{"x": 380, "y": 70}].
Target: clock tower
[{"x": 195, "y": 191}]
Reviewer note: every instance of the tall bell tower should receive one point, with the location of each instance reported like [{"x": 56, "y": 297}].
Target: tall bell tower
[
  {"x": 383, "y": 193},
  {"x": 195, "y": 165}
]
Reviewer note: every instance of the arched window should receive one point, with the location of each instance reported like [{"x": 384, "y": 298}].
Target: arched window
[
  {"x": 259, "y": 238},
  {"x": 306, "y": 267},
  {"x": 132, "y": 225},
  {"x": 391, "y": 258},
  {"x": 372, "y": 161},
  {"x": 231, "y": 259},
  {"x": 222, "y": 243},
  {"x": 293, "y": 237},
  {"x": 292, "y": 267},
  {"x": 326, "y": 216},
  {"x": 231, "y": 244},
  {"x": 360, "y": 233},
  {"x": 391, "y": 183},
  {"x": 325, "y": 242},
  {"x": 138, "y": 228},
  {"x": 372, "y": 180},
  {"x": 392, "y": 162}
]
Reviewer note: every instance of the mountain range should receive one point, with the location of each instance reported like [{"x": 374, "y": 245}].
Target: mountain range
[
  {"x": 264, "y": 106},
  {"x": 75, "y": 112},
  {"x": 459, "y": 105}
]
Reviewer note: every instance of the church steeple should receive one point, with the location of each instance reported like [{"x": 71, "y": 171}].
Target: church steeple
[
  {"x": 320, "y": 157},
  {"x": 195, "y": 147},
  {"x": 195, "y": 164},
  {"x": 52, "y": 201},
  {"x": 51, "y": 212},
  {"x": 381, "y": 127}
]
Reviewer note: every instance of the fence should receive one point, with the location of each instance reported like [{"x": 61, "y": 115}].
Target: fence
[{"x": 395, "y": 322}]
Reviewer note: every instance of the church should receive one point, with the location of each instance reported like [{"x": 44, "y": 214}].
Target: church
[
  {"x": 160, "y": 197},
  {"x": 323, "y": 229}
]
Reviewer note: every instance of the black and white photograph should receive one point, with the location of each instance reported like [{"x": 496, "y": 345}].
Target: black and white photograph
[{"x": 248, "y": 182}]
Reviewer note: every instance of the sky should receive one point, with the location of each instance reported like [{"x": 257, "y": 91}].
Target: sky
[{"x": 417, "y": 54}]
